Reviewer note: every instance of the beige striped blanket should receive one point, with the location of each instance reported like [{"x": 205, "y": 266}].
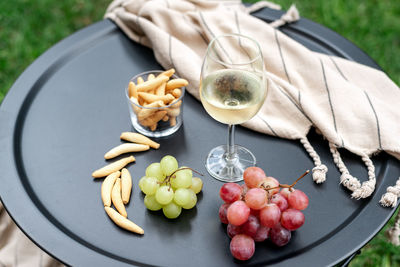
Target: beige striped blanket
[{"x": 17, "y": 250}]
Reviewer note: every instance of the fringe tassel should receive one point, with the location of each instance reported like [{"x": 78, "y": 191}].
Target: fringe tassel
[
  {"x": 320, "y": 170},
  {"x": 393, "y": 233},
  {"x": 389, "y": 199},
  {"x": 260, "y": 5},
  {"x": 368, "y": 187},
  {"x": 291, "y": 15},
  {"x": 346, "y": 179}
]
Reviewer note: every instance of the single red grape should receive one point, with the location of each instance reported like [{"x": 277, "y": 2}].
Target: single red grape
[
  {"x": 270, "y": 182},
  {"x": 298, "y": 200},
  {"x": 222, "y": 213},
  {"x": 238, "y": 213},
  {"x": 251, "y": 226},
  {"x": 279, "y": 235},
  {"x": 285, "y": 192},
  {"x": 256, "y": 198},
  {"x": 230, "y": 192},
  {"x": 252, "y": 176},
  {"x": 233, "y": 230},
  {"x": 269, "y": 215},
  {"x": 262, "y": 234},
  {"x": 280, "y": 201},
  {"x": 242, "y": 247},
  {"x": 292, "y": 219}
]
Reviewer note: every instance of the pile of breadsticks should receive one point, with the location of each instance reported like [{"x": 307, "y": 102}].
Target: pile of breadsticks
[
  {"x": 117, "y": 186},
  {"x": 151, "y": 96}
]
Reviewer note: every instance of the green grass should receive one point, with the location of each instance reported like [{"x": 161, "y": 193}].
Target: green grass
[
  {"x": 378, "y": 252},
  {"x": 28, "y": 28}
]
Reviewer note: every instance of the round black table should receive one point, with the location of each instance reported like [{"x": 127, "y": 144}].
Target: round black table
[{"x": 68, "y": 108}]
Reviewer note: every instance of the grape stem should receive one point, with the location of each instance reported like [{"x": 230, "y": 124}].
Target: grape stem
[
  {"x": 286, "y": 185},
  {"x": 167, "y": 179}
]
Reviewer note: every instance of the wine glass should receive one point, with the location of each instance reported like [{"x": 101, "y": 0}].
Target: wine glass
[{"x": 232, "y": 90}]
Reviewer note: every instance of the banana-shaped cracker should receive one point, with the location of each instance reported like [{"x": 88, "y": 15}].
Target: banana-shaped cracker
[
  {"x": 113, "y": 167},
  {"x": 126, "y": 185},
  {"x": 107, "y": 186},
  {"x": 138, "y": 138},
  {"x": 125, "y": 148},
  {"x": 123, "y": 222},
  {"x": 116, "y": 198}
]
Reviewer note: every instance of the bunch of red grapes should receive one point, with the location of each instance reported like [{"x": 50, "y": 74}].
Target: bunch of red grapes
[{"x": 259, "y": 209}]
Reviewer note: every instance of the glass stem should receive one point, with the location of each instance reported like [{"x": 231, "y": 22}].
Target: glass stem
[{"x": 230, "y": 153}]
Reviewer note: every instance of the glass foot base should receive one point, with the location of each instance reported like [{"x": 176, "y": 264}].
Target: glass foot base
[{"x": 223, "y": 169}]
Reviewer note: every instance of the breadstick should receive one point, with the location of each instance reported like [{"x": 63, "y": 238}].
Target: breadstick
[
  {"x": 126, "y": 185},
  {"x": 113, "y": 167},
  {"x": 107, "y": 186},
  {"x": 132, "y": 90},
  {"x": 177, "y": 104},
  {"x": 117, "y": 199},
  {"x": 153, "y": 119},
  {"x": 135, "y": 108},
  {"x": 139, "y": 80},
  {"x": 123, "y": 222},
  {"x": 175, "y": 83},
  {"x": 141, "y": 101},
  {"x": 138, "y": 138},
  {"x": 150, "y": 98},
  {"x": 125, "y": 148},
  {"x": 177, "y": 92},
  {"x": 152, "y": 84},
  {"x": 168, "y": 73},
  {"x": 151, "y": 77},
  {"x": 166, "y": 118},
  {"x": 149, "y": 110},
  {"x": 161, "y": 89},
  {"x": 172, "y": 121},
  {"x": 173, "y": 112}
]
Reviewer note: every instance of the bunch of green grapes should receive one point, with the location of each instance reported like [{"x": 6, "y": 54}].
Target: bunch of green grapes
[{"x": 169, "y": 188}]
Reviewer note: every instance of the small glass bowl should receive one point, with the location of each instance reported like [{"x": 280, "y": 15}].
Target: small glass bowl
[{"x": 155, "y": 119}]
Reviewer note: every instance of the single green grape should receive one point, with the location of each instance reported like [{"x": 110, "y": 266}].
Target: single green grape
[
  {"x": 150, "y": 186},
  {"x": 141, "y": 182},
  {"x": 182, "y": 196},
  {"x": 164, "y": 194},
  {"x": 154, "y": 170},
  {"x": 151, "y": 203},
  {"x": 172, "y": 210},
  {"x": 193, "y": 200},
  {"x": 197, "y": 185},
  {"x": 182, "y": 178},
  {"x": 169, "y": 164}
]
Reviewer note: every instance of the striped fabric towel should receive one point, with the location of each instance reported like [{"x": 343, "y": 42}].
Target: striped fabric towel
[
  {"x": 353, "y": 106},
  {"x": 17, "y": 250}
]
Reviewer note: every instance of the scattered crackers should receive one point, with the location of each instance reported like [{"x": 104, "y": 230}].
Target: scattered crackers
[{"x": 117, "y": 186}]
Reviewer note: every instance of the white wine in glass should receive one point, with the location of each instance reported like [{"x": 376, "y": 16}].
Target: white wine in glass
[{"x": 232, "y": 90}]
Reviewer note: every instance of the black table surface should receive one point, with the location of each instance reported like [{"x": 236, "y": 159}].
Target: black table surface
[{"x": 68, "y": 108}]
